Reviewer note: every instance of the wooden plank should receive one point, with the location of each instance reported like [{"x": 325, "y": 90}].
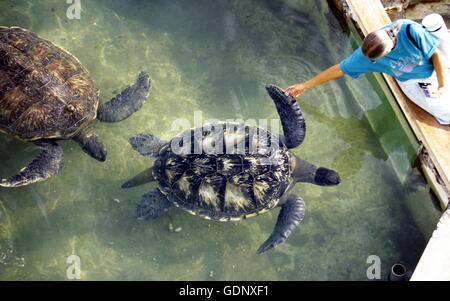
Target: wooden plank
[{"x": 370, "y": 16}]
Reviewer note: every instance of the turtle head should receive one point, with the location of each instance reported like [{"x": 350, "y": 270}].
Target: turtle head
[
  {"x": 326, "y": 177},
  {"x": 95, "y": 148},
  {"x": 91, "y": 143},
  {"x": 309, "y": 173}
]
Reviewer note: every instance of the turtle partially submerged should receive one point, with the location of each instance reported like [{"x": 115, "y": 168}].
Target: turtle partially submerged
[
  {"x": 47, "y": 95},
  {"x": 230, "y": 171}
]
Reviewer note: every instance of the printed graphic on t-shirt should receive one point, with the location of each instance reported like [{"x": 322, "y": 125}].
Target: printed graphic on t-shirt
[{"x": 406, "y": 65}]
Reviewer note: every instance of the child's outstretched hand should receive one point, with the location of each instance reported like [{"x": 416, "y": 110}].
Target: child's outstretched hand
[{"x": 296, "y": 90}]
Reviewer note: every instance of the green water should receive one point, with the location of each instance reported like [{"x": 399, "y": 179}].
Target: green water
[{"x": 213, "y": 57}]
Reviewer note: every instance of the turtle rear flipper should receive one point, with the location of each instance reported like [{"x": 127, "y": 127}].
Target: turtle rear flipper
[
  {"x": 291, "y": 116},
  {"x": 152, "y": 205},
  {"x": 147, "y": 145},
  {"x": 144, "y": 177},
  {"x": 127, "y": 102},
  {"x": 46, "y": 164},
  {"x": 291, "y": 214}
]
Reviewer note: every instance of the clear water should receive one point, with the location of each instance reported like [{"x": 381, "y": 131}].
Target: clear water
[{"x": 213, "y": 57}]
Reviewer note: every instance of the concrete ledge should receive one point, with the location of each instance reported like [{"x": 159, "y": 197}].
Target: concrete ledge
[
  {"x": 434, "y": 265},
  {"x": 434, "y": 156}
]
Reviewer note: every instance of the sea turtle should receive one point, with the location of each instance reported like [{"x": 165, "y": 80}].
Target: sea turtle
[
  {"x": 47, "y": 95},
  {"x": 230, "y": 171}
]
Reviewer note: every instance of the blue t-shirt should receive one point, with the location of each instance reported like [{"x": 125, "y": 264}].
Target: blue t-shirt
[{"x": 405, "y": 61}]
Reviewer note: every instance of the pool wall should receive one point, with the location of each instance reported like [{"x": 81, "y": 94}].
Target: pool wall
[{"x": 435, "y": 261}]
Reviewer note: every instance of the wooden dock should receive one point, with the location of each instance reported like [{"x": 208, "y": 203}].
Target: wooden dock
[
  {"x": 435, "y": 138},
  {"x": 434, "y": 263}
]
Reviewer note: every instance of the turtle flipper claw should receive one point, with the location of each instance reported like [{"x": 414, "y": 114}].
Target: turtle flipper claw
[
  {"x": 271, "y": 242},
  {"x": 127, "y": 102}
]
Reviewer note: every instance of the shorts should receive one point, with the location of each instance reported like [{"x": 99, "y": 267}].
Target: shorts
[{"x": 418, "y": 90}]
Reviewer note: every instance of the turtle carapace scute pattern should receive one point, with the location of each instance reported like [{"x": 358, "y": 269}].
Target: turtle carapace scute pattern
[
  {"x": 230, "y": 171},
  {"x": 47, "y": 95},
  {"x": 221, "y": 184}
]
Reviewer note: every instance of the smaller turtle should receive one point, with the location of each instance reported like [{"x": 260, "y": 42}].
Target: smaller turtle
[
  {"x": 46, "y": 95},
  {"x": 231, "y": 171}
]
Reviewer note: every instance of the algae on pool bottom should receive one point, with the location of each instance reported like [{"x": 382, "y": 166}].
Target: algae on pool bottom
[{"x": 213, "y": 57}]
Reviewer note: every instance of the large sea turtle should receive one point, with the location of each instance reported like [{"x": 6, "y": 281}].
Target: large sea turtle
[
  {"x": 231, "y": 171},
  {"x": 47, "y": 95}
]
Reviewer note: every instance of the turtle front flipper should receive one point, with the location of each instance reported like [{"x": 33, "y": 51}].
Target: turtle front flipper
[
  {"x": 152, "y": 205},
  {"x": 147, "y": 145},
  {"x": 127, "y": 102},
  {"x": 46, "y": 164},
  {"x": 291, "y": 116},
  {"x": 291, "y": 214}
]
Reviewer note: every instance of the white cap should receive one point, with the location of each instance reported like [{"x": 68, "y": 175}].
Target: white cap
[{"x": 434, "y": 23}]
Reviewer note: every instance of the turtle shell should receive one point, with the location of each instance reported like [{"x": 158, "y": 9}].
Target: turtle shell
[
  {"x": 45, "y": 92},
  {"x": 224, "y": 171}
]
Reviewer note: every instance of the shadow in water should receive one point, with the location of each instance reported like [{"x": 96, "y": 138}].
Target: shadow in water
[{"x": 356, "y": 133}]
